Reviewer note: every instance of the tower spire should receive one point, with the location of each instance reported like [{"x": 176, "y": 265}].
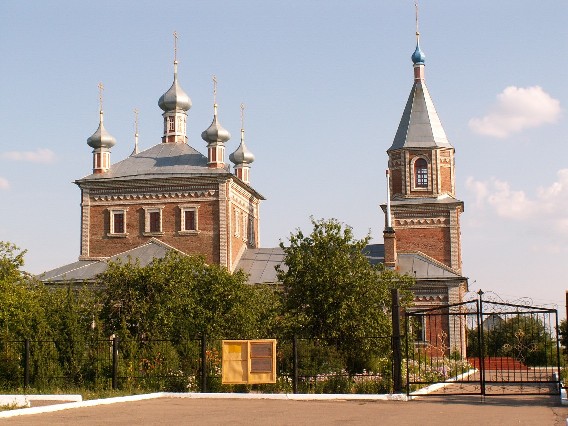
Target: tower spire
[
  {"x": 215, "y": 136},
  {"x": 417, "y": 31},
  {"x": 135, "y": 151},
  {"x": 175, "y": 103},
  {"x": 101, "y": 141},
  {"x": 418, "y": 56},
  {"x": 242, "y": 157}
]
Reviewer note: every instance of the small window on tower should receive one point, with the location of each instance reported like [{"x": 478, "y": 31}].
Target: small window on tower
[
  {"x": 189, "y": 223},
  {"x": 117, "y": 223},
  {"x": 172, "y": 124},
  {"x": 153, "y": 220},
  {"x": 421, "y": 173}
]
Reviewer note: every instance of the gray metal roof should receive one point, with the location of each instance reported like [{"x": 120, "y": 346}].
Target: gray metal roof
[
  {"x": 162, "y": 160},
  {"x": 260, "y": 264},
  {"x": 423, "y": 267},
  {"x": 420, "y": 126},
  {"x": 87, "y": 270},
  {"x": 375, "y": 253}
]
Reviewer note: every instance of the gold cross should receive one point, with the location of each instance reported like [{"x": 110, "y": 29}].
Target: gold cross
[
  {"x": 101, "y": 88},
  {"x": 175, "y": 45},
  {"x": 416, "y": 7},
  {"x": 136, "y": 120},
  {"x": 242, "y": 116}
]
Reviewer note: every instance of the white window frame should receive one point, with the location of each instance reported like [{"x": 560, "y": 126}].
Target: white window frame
[
  {"x": 147, "y": 211},
  {"x": 413, "y": 174},
  {"x": 183, "y": 210},
  {"x": 112, "y": 211}
]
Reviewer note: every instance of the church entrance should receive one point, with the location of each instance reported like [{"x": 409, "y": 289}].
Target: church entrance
[{"x": 482, "y": 347}]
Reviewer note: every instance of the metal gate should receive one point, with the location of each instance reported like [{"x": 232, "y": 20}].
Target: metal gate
[{"x": 482, "y": 347}]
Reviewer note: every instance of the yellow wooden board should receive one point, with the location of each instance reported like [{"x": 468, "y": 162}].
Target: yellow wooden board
[{"x": 249, "y": 361}]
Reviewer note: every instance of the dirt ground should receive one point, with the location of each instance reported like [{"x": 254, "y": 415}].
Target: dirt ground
[{"x": 470, "y": 410}]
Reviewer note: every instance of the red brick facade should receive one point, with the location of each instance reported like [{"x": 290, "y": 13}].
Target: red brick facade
[{"x": 219, "y": 236}]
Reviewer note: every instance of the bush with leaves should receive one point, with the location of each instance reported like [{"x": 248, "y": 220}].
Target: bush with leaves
[
  {"x": 182, "y": 297},
  {"x": 333, "y": 293}
]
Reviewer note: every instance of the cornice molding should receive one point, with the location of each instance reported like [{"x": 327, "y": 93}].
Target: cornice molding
[{"x": 155, "y": 195}]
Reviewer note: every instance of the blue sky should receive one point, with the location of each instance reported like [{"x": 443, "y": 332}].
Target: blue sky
[{"x": 325, "y": 83}]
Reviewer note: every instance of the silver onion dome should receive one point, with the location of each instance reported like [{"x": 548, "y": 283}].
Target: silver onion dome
[
  {"x": 175, "y": 98},
  {"x": 242, "y": 155},
  {"x": 215, "y": 132},
  {"x": 101, "y": 138}
]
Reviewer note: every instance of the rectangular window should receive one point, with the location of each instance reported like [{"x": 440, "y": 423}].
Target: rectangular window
[
  {"x": 155, "y": 221},
  {"x": 251, "y": 232},
  {"x": 189, "y": 219},
  {"x": 190, "y": 224},
  {"x": 118, "y": 221},
  {"x": 172, "y": 124},
  {"x": 237, "y": 223}
]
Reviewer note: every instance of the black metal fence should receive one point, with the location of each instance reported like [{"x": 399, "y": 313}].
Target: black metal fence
[
  {"x": 185, "y": 365},
  {"x": 483, "y": 347}
]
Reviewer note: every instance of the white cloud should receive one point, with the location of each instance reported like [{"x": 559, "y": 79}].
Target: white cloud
[
  {"x": 4, "y": 184},
  {"x": 516, "y": 109},
  {"x": 549, "y": 205},
  {"x": 40, "y": 155}
]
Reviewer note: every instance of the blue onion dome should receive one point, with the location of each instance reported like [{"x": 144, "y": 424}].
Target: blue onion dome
[
  {"x": 175, "y": 98},
  {"x": 242, "y": 155},
  {"x": 101, "y": 138},
  {"x": 418, "y": 56},
  {"x": 215, "y": 132}
]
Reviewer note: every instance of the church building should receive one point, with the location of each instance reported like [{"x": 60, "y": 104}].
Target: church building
[{"x": 171, "y": 197}]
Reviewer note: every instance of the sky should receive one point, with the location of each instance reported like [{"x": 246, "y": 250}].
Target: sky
[{"x": 324, "y": 83}]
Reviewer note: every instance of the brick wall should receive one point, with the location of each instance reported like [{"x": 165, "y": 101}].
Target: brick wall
[
  {"x": 435, "y": 242},
  {"x": 205, "y": 242}
]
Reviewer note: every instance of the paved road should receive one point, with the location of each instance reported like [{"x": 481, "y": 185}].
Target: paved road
[{"x": 499, "y": 411}]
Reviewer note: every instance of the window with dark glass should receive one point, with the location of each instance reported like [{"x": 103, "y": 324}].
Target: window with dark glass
[
  {"x": 118, "y": 222},
  {"x": 190, "y": 224},
  {"x": 154, "y": 221},
  {"x": 421, "y": 173}
]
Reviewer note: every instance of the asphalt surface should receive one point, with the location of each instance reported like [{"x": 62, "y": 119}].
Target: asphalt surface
[{"x": 468, "y": 410}]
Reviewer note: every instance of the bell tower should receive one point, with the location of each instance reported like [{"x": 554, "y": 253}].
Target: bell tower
[{"x": 424, "y": 211}]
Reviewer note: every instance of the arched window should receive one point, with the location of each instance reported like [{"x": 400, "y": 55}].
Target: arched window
[{"x": 421, "y": 173}]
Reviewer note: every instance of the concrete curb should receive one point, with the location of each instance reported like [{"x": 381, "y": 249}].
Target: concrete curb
[
  {"x": 436, "y": 386},
  {"x": 24, "y": 400},
  {"x": 132, "y": 398}
]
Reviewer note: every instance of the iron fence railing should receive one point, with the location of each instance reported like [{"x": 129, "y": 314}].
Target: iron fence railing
[{"x": 188, "y": 365}]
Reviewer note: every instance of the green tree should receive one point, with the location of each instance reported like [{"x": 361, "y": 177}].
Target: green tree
[
  {"x": 11, "y": 261},
  {"x": 333, "y": 293},
  {"x": 182, "y": 296}
]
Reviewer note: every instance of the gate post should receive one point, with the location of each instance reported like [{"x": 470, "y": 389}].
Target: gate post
[
  {"x": 396, "y": 346},
  {"x": 295, "y": 366},
  {"x": 481, "y": 343},
  {"x": 203, "y": 363},
  {"x": 115, "y": 341},
  {"x": 27, "y": 363}
]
